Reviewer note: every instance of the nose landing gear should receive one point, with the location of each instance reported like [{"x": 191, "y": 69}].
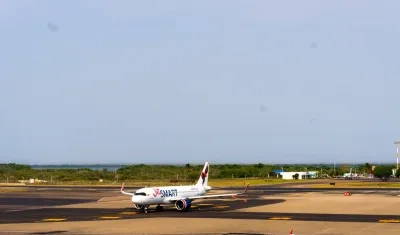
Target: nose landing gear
[{"x": 144, "y": 208}]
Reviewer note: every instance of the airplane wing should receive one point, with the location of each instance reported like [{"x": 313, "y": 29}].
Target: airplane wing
[
  {"x": 123, "y": 192},
  {"x": 213, "y": 195}
]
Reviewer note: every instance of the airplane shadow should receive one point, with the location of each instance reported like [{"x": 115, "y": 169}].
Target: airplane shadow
[
  {"x": 90, "y": 214},
  {"x": 216, "y": 205}
]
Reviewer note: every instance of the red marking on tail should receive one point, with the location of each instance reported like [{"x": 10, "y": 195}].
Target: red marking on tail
[{"x": 204, "y": 174}]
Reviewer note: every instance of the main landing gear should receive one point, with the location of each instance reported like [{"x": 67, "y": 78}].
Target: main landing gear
[{"x": 159, "y": 208}]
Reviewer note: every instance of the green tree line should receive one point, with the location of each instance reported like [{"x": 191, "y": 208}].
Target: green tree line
[{"x": 13, "y": 172}]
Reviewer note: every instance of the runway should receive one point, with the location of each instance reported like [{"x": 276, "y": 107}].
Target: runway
[
  {"x": 35, "y": 205},
  {"x": 209, "y": 209}
]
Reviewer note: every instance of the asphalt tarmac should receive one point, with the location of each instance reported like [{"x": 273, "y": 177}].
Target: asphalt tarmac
[
  {"x": 208, "y": 209},
  {"x": 9, "y": 204},
  {"x": 35, "y": 205}
]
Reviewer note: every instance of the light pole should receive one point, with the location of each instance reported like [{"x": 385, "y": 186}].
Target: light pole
[{"x": 397, "y": 153}]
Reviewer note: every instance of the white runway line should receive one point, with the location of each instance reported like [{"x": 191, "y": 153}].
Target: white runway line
[
  {"x": 326, "y": 230},
  {"x": 13, "y": 210},
  {"x": 363, "y": 229}
]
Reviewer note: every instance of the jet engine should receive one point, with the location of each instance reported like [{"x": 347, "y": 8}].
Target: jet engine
[
  {"x": 183, "y": 204},
  {"x": 139, "y": 206}
]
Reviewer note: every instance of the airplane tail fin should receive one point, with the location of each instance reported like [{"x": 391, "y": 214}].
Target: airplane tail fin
[{"x": 203, "y": 179}]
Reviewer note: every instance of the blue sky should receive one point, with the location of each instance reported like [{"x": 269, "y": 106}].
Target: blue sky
[{"x": 194, "y": 81}]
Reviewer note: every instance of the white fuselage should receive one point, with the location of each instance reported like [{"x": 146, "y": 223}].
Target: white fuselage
[{"x": 163, "y": 195}]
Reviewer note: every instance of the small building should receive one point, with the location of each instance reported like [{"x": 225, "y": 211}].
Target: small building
[
  {"x": 278, "y": 172},
  {"x": 302, "y": 175}
]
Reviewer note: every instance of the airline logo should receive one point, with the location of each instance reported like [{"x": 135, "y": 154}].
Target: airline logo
[
  {"x": 204, "y": 174},
  {"x": 165, "y": 193},
  {"x": 156, "y": 192}
]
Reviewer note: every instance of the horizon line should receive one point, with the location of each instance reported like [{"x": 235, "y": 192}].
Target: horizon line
[{"x": 220, "y": 163}]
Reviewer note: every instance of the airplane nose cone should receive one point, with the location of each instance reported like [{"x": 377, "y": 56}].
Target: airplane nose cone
[{"x": 136, "y": 200}]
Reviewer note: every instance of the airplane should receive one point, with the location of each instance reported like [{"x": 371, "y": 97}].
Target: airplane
[{"x": 181, "y": 196}]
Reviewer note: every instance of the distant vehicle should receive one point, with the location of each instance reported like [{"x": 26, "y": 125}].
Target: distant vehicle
[{"x": 181, "y": 196}]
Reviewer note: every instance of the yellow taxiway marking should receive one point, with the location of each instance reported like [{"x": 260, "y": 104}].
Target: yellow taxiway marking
[
  {"x": 128, "y": 213},
  {"x": 54, "y": 219},
  {"x": 244, "y": 200},
  {"x": 389, "y": 221},
  {"x": 109, "y": 217},
  {"x": 280, "y": 218},
  {"x": 221, "y": 207}
]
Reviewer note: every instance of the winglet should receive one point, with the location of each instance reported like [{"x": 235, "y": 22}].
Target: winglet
[{"x": 123, "y": 192}]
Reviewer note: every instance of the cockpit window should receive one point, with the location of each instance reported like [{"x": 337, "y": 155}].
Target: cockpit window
[{"x": 140, "y": 194}]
